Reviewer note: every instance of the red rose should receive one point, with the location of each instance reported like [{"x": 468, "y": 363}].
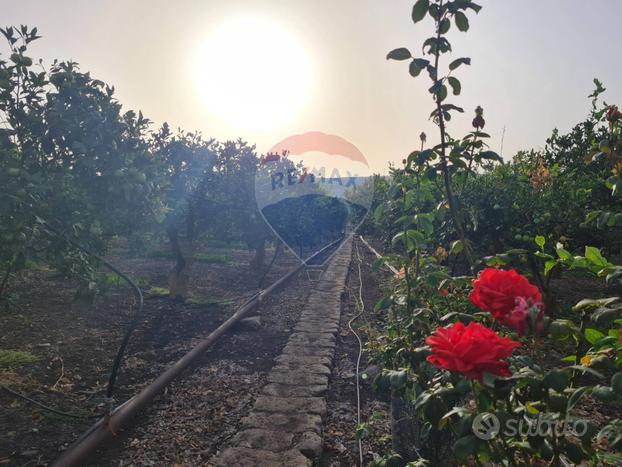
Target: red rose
[
  {"x": 508, "y": 296},
  {"x": 470, "y": 350}
]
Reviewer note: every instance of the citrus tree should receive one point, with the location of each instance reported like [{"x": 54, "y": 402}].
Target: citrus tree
[{"x": 72, "y": 166}]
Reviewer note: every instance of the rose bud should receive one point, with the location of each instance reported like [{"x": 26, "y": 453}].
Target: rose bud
[
  {"x": 613, "y": 114},
  {"x": 478, "y": 121}
]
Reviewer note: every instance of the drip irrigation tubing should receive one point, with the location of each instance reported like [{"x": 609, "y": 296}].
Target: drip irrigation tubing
[
  {"x": 126, "y": 337},
  {"x": 265, "y": 274},
  {"x": 133, "y": 323},
  {"x": 48, "y": 408}
]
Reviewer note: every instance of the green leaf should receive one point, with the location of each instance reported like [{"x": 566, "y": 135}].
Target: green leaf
[
  {"x": 594, "y": 303},
  {"x": 459, "y": 61},
  {"x": 465, "y": 446},
  {"x": 444, "y": 26},
  {"x": 590, "y": 216},
  {"x": 603, "y": 393},
  {"x": 419, "y": 10},
  {"x": 576, "y": 396},
  {"x": 540, "y": 241},
  {"x": 564, "y": 254},
  {"x": 414, "y": 69},
  {"x": 490, "y": 155},
  {"x": 442, "y": 93},
  {"x": 593, "y": 335},
  {"x": 464, "y": 4},
  {"x": 560, "y": 328},
  {"x": 378, "y": 212},
  {"x": 557, "y": 380},
  {"x": 603, "y": 219},
  {"x": 548, "y": 266},
  {"x": 399, "y": 54},
  {"x": 384, "y": 304},
  {"x": 462, "y": 21},
  {"x": 603, "y": 316},
  {"x": 397, "y": 238},
  {"x": 585, "y": 369},
  {"x": 455, "y": 85},
  {"x": 593, "y": 255},
  {"x": 456, "y": 247}
]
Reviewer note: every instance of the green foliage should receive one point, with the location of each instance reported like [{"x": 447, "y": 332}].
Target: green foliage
[
  {"x": 75, "y": 168},
  {"x": 15, "y": 358},
  {"x": 458, "y": 199},
  {"x": 158, "y": 292},
  {"x": 68, "y": 158}
]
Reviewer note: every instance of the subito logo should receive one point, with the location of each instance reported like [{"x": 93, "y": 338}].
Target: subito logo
[{"x": 486, "y": 426}]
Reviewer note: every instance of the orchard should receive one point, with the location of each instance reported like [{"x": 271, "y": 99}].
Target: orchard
[{"x": 495, "y": 339}]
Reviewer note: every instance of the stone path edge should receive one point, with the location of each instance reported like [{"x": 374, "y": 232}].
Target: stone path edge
[{"x": 284, "y": 427}]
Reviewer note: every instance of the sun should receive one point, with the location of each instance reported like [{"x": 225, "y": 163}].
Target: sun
[{"x": 253, "y": 73}]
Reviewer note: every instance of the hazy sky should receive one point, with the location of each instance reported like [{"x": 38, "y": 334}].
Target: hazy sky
[{"x": 533, "y": 62}]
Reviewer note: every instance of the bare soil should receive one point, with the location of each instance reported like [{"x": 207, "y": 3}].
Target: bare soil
[{"x": 75, "y": 346}]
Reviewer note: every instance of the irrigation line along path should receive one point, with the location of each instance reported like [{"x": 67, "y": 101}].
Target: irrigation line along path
[
  {"x": 361, "y": 308},
  {"x": 108, "y": 427}
]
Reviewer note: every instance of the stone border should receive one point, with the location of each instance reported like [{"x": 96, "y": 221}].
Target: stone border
[{"x": 284, "y": 428}]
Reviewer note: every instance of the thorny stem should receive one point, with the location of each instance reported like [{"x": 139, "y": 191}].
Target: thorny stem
[
  {"x": 443, "y": 156},
  {"x": 578, "y": 348},
  {"x": 407, "y": 265},
  {"x": 466, "y": 175},
  {"x": 418, "y": 255}
]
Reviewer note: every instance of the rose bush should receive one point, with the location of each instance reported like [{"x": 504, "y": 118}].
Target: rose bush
[{"x": 439, "y": 357}]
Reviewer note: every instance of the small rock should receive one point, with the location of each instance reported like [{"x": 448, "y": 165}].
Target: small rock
[{"x": 310, "y": 445}]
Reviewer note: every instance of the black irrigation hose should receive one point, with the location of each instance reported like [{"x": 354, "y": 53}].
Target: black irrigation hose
[
  {"x": 139, "y": 296},
  {"x": 49, "y": 409},
  {"x": 265, "y": 274}
]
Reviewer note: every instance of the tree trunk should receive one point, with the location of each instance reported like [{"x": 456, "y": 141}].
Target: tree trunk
[
  {"x": 179, "y": 278},
  {"x": 5, "y": 280},
  {"x": 258, "y": 261}
]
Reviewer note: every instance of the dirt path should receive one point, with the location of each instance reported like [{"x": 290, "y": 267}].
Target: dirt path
[{"x": 340, "y": 442}]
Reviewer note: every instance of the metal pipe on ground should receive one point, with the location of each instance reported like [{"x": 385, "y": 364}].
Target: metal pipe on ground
[{"x": 106, "y": 428}]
